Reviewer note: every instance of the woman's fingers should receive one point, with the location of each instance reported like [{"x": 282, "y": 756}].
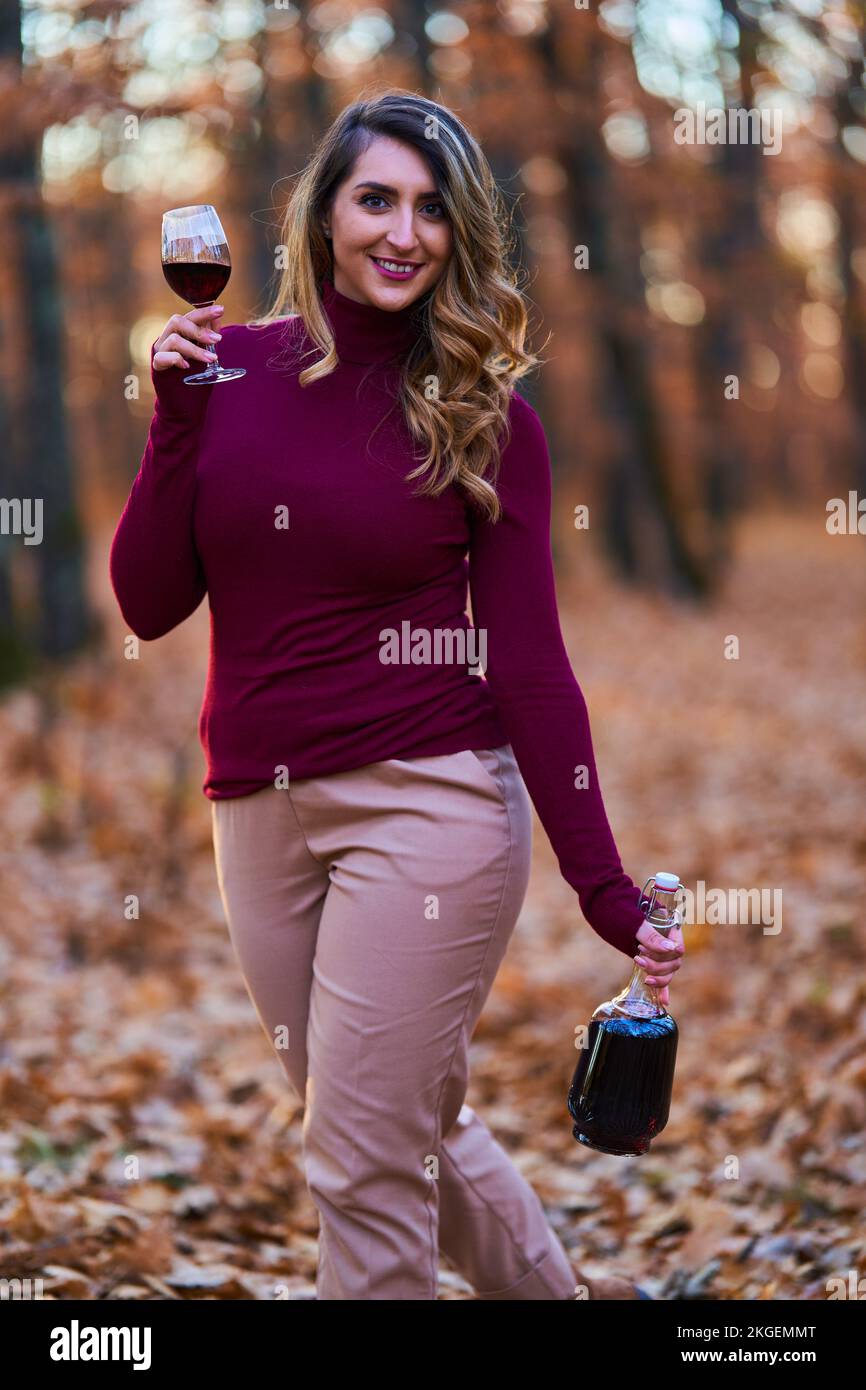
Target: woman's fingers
[
  {"x": 659, "y": 975},
  {"x": 187, "y": 335},
  {"x": 176, "y": 352},
  {"x": 161, "y": 360},
  {"x": 197, "y": 324},
  {"x": 205, "y": 313},
  {"x": 658, "y": 970},
  {"x": 666, "y": 965},
  {"x": 656, "y": 958},
  {"x": 660, "y": 956},
  {"x": 656, "y": 947},
  {"x": 177, "y": 349},
  {"x": 175, "y": 342}
]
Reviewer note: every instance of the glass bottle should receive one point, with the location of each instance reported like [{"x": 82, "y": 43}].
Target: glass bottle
[{"x": 620, "y": 1093}]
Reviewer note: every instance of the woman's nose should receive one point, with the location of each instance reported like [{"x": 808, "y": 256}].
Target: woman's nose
[{"x": 401, "y": 234}]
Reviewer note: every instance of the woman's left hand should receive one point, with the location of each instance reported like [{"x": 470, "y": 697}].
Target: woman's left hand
[{"x": 660, "y": 955}]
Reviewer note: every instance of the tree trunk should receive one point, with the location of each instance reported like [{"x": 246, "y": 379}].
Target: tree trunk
[{"x": 45, "y": 465}]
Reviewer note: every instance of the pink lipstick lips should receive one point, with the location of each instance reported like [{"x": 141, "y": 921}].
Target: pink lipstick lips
[{"x": 394, "y": 269}]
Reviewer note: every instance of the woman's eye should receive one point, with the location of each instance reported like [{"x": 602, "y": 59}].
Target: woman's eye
[{"x": 438, "y": 209}]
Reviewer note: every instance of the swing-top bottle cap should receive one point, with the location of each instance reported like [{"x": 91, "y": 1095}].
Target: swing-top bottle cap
[{"x": 666, "y": 883}]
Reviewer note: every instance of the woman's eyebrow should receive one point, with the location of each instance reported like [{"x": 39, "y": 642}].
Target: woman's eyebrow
[{"x": 386, "y": 188}]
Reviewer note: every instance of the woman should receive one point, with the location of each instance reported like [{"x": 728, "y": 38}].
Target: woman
[{"x": 372, "y": 827}]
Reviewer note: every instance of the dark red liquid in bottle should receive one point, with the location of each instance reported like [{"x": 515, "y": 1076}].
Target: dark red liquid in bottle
[
  {"x": 620, "y": 1093},
  {"x": 198, "y": 282}
]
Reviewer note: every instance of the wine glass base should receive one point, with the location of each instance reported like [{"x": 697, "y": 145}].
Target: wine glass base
[{"x": 221, "y": 374}]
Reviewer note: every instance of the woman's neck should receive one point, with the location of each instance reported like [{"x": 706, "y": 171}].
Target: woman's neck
[{"x": 366, "y": 333}]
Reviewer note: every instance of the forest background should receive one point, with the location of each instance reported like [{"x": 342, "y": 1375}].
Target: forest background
[{"x": 687, "y": 181}]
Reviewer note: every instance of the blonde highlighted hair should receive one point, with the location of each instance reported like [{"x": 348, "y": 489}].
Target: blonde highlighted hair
[{"x": 474, "y": 319}]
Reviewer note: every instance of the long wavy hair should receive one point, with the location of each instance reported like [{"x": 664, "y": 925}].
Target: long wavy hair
[{"x": 473, "y": 322}]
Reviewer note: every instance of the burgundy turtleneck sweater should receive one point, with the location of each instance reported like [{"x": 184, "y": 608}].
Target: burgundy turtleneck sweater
[{"x": 291, "y": 512}]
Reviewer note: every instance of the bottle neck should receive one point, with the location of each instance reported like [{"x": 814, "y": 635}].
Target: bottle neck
[{"x": 640, "y": 998}]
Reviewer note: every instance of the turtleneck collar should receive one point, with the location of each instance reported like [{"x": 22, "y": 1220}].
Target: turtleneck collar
[{"x": 364, "y": 332}]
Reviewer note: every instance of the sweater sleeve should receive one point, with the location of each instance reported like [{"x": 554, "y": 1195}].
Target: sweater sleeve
[
  {"x": 540, "y": 703},
  {"x": 155, "y": 569}
]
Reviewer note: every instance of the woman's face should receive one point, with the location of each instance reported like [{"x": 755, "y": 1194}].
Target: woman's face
[{"x": 388, "y": 210}]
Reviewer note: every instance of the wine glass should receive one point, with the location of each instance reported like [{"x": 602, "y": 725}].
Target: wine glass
[{"x": 197, "y": 265}]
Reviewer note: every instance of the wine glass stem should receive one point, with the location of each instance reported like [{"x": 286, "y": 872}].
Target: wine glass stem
[{"x": 215, "y": 365}]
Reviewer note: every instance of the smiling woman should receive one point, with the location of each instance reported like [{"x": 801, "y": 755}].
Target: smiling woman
[
  {"x": 396, "y": 181},
  {"x": 398, "y": 228},
  {"x": 372, "y": 826}
]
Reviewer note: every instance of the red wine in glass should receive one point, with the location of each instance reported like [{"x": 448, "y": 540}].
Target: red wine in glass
[{"x": 197, "y": 265}]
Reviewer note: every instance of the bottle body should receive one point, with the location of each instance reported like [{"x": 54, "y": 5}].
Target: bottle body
[{"x": 620, "y": 1093}]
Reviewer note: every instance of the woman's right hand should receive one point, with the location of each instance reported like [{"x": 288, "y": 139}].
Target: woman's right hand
[{"x": 185, "y": 336}]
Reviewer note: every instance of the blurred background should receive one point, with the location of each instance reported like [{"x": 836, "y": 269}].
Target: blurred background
[{"x": 697, "y": 279}]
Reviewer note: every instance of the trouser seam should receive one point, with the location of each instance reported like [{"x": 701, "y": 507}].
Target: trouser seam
[
  {"x": 434, "y": 1243},
  {"x": 471, "y": 1185},
  {"x": 322, "y": 862}
]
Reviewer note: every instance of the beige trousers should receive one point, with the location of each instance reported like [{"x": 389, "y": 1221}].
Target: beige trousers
[{"x": 369, "y": 911}]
